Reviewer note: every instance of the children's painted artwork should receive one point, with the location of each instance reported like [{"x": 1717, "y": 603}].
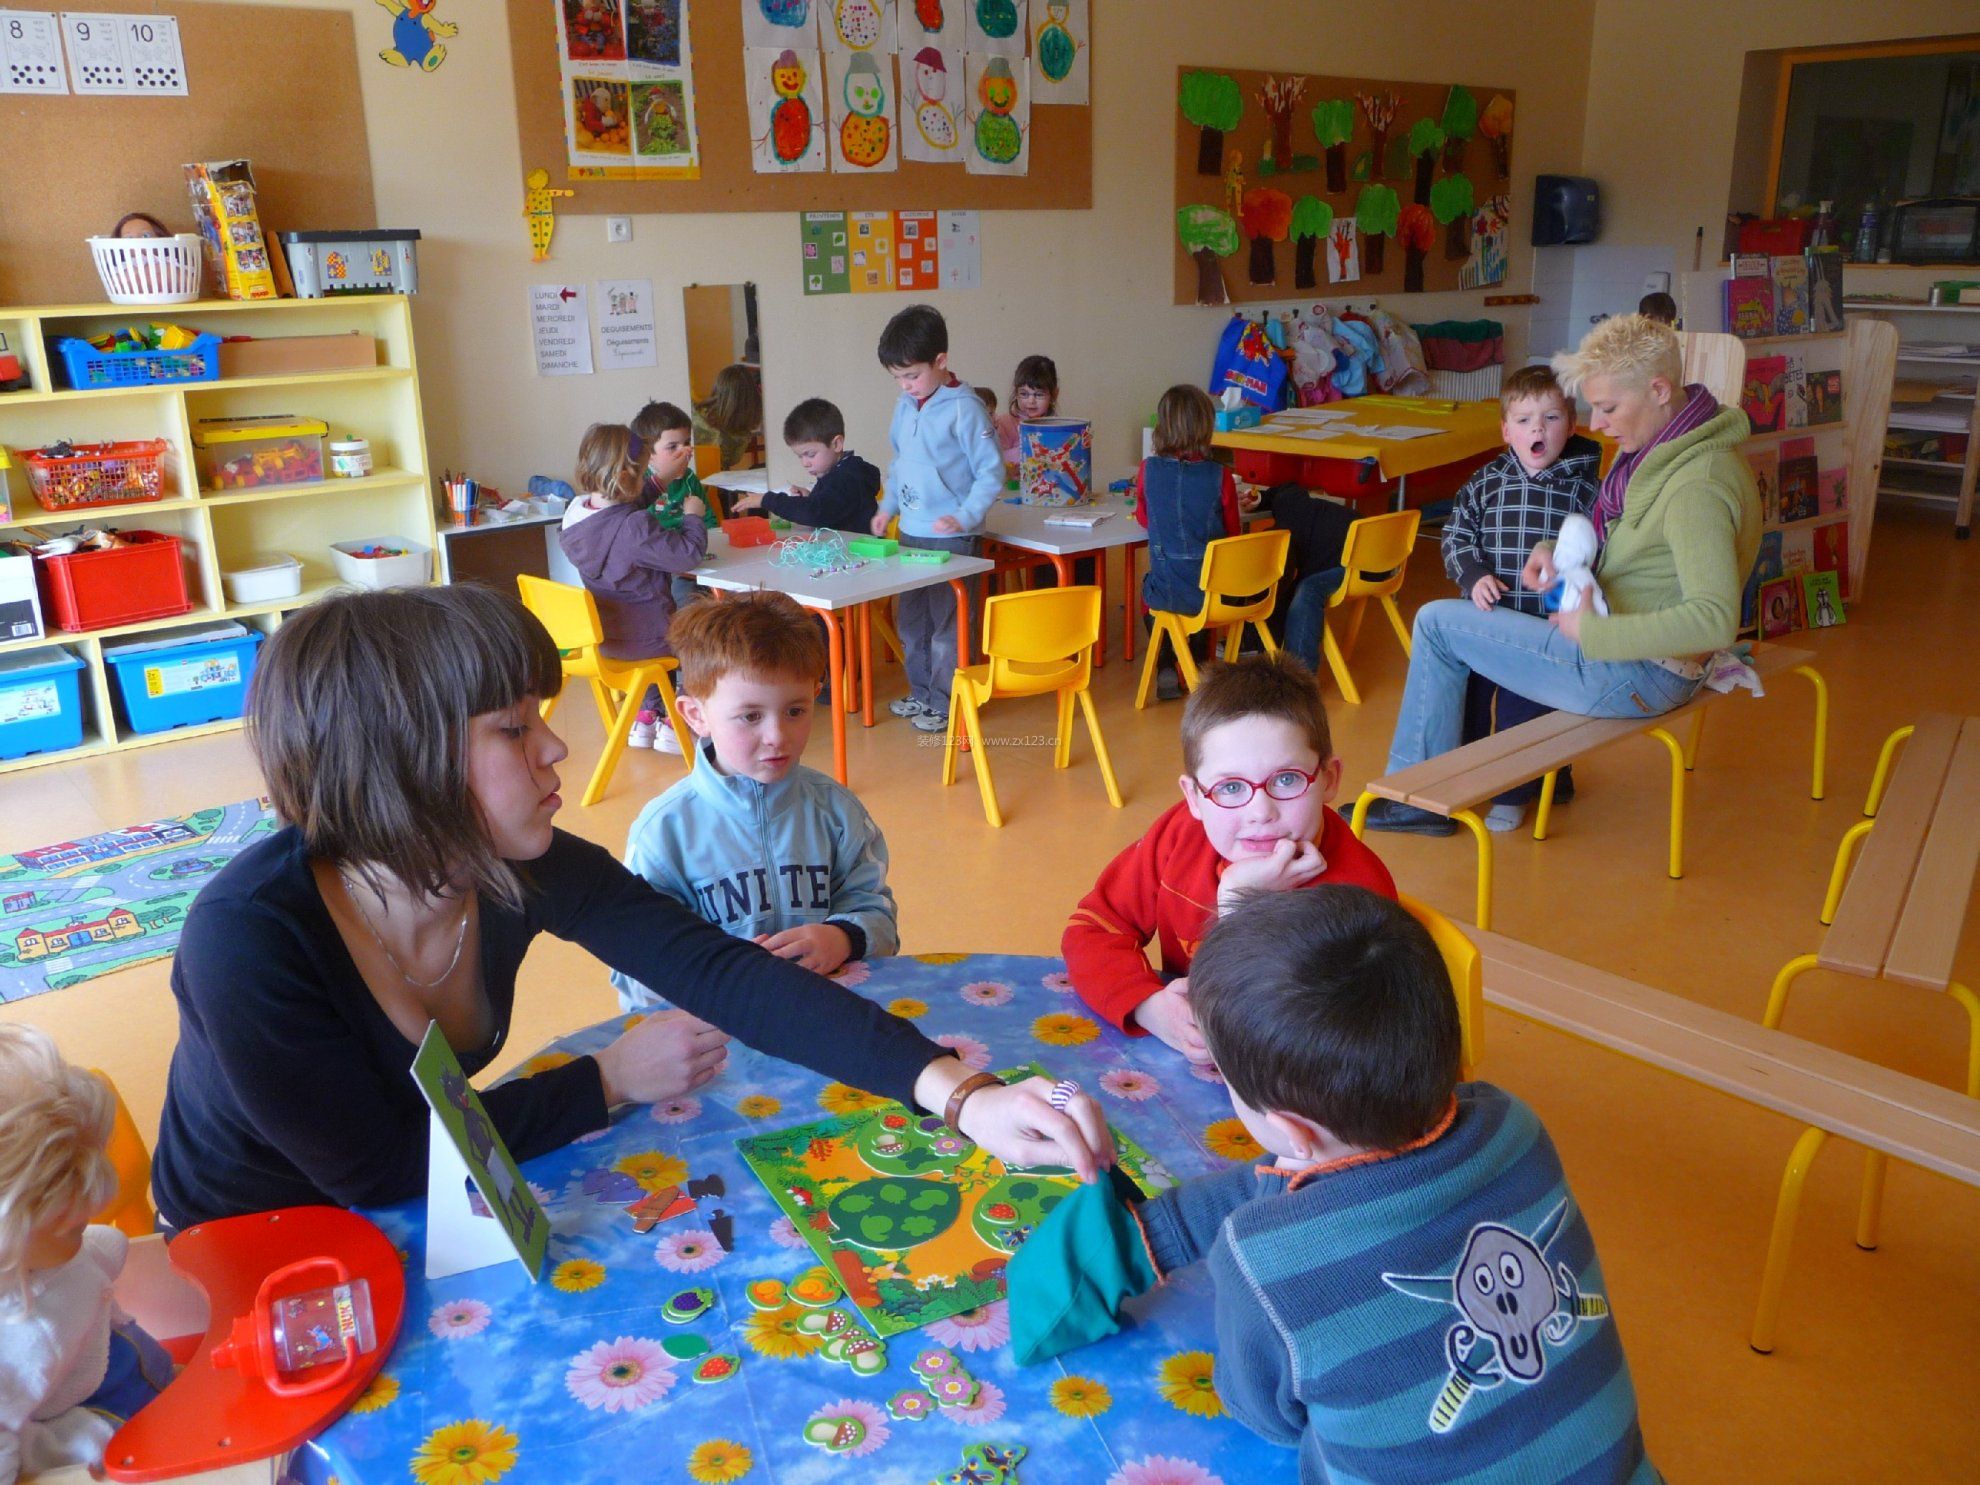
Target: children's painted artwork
[
  {"x": 825, "y": 251},
  {"x": 999, "y": 116},
  {"x": 856, "y": 25},
  {"x": 932, "y": 111},
  {"x": 915, "y": 1222},
  {"x": 781, "y": 23},
  {"x": 540, "y": 210},
  {"x": 416, "y": 35},
  {"x": 786, "y": 110},
  {"x": 1059, "y": 54},
  {"x": 1780, "y": 607},
  {"x": 594, "y": 31},
  {"x": 601, "y": 117},
  {"x": 1485, "y": 264},
  {"x": 1765, "y": 462},
  {"x": 653, "y": 32},
  {"x": 1821, "y": 599},
  {"x": 871, "y": 266},
  {"x": 936, "y": 23},
  {"x": 859, "y": 91},
  {"x": 1343, "y": 251},
  {"x": 662, "y": 127},
  {"x": 917, "y": 251},
  {"x": 1000, "y": 28}
]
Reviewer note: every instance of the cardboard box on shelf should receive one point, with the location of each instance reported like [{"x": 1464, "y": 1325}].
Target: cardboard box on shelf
[
  {"x": 287, "y": 354},
  {"x": 20, "y": 604}
]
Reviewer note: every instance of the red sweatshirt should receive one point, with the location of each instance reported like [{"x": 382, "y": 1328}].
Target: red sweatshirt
[{"x": 1164, "y": 887}]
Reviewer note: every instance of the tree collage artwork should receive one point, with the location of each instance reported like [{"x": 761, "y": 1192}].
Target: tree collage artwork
[
  {"x": 1340, "y": 166},
  {"x": 915, "y": 1222}
]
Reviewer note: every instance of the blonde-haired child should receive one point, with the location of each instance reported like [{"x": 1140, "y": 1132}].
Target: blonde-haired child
[
  {"x": 73, "y": 1366},
  {"x": 628, "y": 560}
]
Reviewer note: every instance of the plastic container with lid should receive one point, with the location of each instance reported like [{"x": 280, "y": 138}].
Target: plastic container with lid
[
  {"x": 40, "y": 702},
  {"x": 272, "y": 449},
  {"x": 350, "y": 457},
  {"x": 196, "y": 675},
  {"x": 263, "y": 579}
]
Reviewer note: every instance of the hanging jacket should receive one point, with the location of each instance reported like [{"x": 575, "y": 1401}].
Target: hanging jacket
[{"x": 1184, "y": 506}]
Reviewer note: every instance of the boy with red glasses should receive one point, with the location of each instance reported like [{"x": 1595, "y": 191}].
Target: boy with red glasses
[{"x": 1259, "y": 773}]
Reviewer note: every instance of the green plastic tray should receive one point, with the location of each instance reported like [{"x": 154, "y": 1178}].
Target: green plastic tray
[
  {"x": 932, "y": 556},
  {"x": 872, "y": 546}
]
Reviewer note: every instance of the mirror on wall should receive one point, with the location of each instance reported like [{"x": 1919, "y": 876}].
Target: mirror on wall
[{"x": 725, "y": 376}]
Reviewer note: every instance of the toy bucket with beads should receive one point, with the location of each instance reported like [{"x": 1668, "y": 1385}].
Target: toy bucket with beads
[{"x": 1055, "y": 461}]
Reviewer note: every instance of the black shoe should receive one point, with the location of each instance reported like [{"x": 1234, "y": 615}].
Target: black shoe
[
  {"x": 1407, "y": 819},
  {"x": 1168, "y": 684},
  {"x": 1564, "y": 786}
]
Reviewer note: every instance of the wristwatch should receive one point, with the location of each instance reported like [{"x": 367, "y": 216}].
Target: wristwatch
[{"x": 976, "y": 1081}]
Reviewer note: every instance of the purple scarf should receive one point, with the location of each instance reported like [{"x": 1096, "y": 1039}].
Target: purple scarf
[{"x": 1700, "y": 407}]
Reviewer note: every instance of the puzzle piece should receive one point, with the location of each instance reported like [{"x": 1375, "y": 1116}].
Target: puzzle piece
[
  {"x": 684, "y": 1347},
  {"x": 945, "y": 1378},
  {"x": 910, "y": 1406},
  {"x": 986, "y": 1464},
  {"x": 659, "y": 1206},
  {"x": 815, "y": 1288},
  {"x": 767, "y": 1294},
  {"x": 716, "y": 1368},
  {"x": 689, "y": 1304}
]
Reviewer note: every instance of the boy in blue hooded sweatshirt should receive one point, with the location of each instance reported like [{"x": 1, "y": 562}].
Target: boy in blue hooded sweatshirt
[
  {"x": 946, "y": 474},
  {"x": 759, "y": 845}
]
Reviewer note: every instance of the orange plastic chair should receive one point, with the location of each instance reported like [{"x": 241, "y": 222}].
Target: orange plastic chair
[
  {"x": 571, "y": 616},
  {"x": 130, "y": 1210},
  {"x": 1240, "y": 583},
  {"x": 1375, "y": 556},
  {"x": 1037, "y": 641},
  {"x": 1467, "y": 970}
]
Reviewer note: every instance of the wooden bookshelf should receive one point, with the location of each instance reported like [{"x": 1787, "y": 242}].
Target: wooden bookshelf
[{"x": 1922, "y": 329}]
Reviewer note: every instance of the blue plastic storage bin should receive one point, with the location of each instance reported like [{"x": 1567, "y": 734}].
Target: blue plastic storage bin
[
  {"x": 163, "y": 685},
  {"x": 88, "y": 368},
  {"x": 40, "y": 702}
]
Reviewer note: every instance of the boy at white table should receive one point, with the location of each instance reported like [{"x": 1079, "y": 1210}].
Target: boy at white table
[
  {"x": 945, "y": 476},
  {"x": 1408, "y": 1291},
  {"x": 759, "y": 845},
  {"x": 845, "y": 492},
  {"x": 1259, "y": 773},
  {"x": 73, "y": 1366}
]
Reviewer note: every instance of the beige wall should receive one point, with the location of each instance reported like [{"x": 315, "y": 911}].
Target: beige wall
[{"x": 1090, "y": 288}]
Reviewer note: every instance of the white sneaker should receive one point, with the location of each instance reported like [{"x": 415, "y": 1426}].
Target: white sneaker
[
  {"x": 931, "y": 721},
  {"x": 906, "y": 706},
  {"x": 665, "y": 740},
  {"x": 644, "y": 726}
]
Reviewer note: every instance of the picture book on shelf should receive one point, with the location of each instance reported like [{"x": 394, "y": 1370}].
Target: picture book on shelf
[
  {"x": 1825, "y": 397},
  {"x": 1798, "y": 550},
  {"x": 1790, "y": 295},
  {"x": 1753, "y": 265},
  {"x": 1825, "y": 289},
  {"x": 1750, "y": 307},
  {"x": 1832, "y": 552},
  {"x": 1800, "y": 497},
  {"x": 1821, "y": 600},
  {"x": 1832, "y": 490},
  {"x": 1794, "y": 392},
  {"x": 1766, "y": 566},
  {"x": 1780, "y": 607},
  {"x": 1760, "y": 392},
  {"x": 1765, "y": 462}
]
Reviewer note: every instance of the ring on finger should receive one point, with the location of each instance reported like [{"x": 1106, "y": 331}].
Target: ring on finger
[{"x": 1062, "y": 1094}]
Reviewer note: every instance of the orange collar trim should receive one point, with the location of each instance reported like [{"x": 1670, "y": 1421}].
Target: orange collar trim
[{"x": 1298, "y": 1178}]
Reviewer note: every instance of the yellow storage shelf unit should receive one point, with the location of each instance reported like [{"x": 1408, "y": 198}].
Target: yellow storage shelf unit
[{"x": 222, "y": 530}]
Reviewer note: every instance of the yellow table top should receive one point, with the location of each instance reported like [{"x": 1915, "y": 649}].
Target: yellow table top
[{"x": 1463, "y": 431}]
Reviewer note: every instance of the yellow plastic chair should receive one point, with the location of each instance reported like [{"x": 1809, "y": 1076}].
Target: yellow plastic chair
[
  {"x": 1467, "y": 970},
  {"x": 571, "y": 616},
  {"x": 1375, "y": 556},
  {"x": 130, "y": 1210},
  {"x": 1036, "y": 642},
  {"x": 1240, "y": 582}
]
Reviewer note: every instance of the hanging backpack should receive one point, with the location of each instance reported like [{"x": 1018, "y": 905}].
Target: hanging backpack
[{"x": 1246, "y": 360}]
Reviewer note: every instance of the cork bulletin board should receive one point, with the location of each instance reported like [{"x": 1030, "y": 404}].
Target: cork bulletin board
[
  {"x": 1291, "y": 184},
  {"x": 72, "y": 165},
  {"x": 1061, "y": 145}
]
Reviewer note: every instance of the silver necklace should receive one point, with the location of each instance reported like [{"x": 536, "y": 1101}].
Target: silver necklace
[{"x": 460, "y": 939}]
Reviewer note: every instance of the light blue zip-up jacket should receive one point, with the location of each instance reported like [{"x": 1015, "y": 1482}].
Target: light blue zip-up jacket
[
  {"x": 759, "y": 858},
  {"x": 946, "y": 463}
]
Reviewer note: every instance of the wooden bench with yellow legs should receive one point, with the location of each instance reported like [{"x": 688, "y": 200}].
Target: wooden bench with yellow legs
[
  {"x": 1375, "y": 558},
  {"x": 1454, "y": 783},
  {"x": 571, "y": 616},
  {"x": 1037, "y": 641},
  {"x": 1240, "y": 582},
  {"x": 1893, "y": 1114}
]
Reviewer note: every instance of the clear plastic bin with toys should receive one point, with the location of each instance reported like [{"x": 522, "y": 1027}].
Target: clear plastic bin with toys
[{"x": 274, "y": 449}]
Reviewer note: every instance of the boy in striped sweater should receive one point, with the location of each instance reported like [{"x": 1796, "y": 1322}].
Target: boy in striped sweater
[{"x": 1408, "y": 1291}]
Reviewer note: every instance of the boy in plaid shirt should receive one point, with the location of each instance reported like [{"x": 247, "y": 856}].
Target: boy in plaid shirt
[{"x": 1547, "y": 473}]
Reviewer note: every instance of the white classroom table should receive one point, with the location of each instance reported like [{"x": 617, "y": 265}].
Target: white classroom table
[
  {"x": 841, "y": 600},
  {"x": 1023, "y": 527}
]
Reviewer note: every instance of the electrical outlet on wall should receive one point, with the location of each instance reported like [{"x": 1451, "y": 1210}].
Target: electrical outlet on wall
[
  {"x": 1657, "y": 283},
  {"x": 618, "y": 229}
]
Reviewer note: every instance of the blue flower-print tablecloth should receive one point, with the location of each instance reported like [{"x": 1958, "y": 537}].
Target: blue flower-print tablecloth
[{"x": 571, "y": 1379}]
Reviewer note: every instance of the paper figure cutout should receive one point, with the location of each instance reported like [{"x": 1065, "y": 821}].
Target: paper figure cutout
[
  {"x": 1380, "y": 111},
  {"x": 780, "y": 24},
  {"x": 1212, "y": 102},
  {"x": 1375, "y": 214},
  {"x": 661, "y": 123},
  {"x": 1344, "y": 252},
  {"x": 997, "y": 28},
  {"x": 857, "y": 25},
  {"x": 1208, "y": 234},
  {"x": 1267, "y": 217},
  {"x": 1496, "y": 124},
  {"x": 1487, "y": 264},
  {"x": 653, "y": 32},
  {"x": 591, "y": 31},
  {"x": 1426, "y": 143},
  {"x": 1061, "y": 53},
  {"x": 1451, "y": 204},
  {"x": 1312, "y": 223},
  {"x": 600, "y": 116},
  {"x": 999, "y": 117},
  {"x": 1416, "y": 230},
  {"x": 861, "y": 88},
  {"x": 1279, "y": 96},
  {"x": 786, "y": 110},
  {"x": 416, "y": 34},
  {"x": 540, "y": 210},
  {"x": 1459, "y": 122},
  {"x": 1234, "y": 184},
  {"x": 934, "y": 132}
]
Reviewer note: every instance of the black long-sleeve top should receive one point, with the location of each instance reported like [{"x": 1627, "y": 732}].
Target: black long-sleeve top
[
  {"x": 845, "y": 499},
  {"x": 290, "y": 1085}
]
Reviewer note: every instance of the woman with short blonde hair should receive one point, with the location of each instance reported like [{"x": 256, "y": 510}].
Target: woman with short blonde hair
[{"x": 1679, "y": 520}]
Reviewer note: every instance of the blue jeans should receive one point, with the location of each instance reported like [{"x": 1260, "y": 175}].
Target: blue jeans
[
  {"x": 1307, "y": 614},
  {"x": 1453, "y": 640}
]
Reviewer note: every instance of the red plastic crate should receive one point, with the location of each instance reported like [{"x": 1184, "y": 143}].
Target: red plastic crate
[{"x": 125, "y": 585}]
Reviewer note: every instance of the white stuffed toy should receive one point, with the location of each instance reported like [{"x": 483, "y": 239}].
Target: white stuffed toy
[{"x": 1575, "y": 549}]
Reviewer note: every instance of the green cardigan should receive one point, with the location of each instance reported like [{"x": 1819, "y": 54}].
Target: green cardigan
[{"x": 1676, "y": 560}]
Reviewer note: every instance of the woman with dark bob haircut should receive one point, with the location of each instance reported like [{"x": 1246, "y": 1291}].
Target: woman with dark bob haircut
[{"x": 399, "y": 735}]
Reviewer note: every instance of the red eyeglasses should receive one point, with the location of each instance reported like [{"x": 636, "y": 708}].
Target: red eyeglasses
[{"x": 1285, "y": 786}]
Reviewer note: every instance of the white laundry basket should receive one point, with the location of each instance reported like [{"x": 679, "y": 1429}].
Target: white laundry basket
[{"x": 148, "y": 270}]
